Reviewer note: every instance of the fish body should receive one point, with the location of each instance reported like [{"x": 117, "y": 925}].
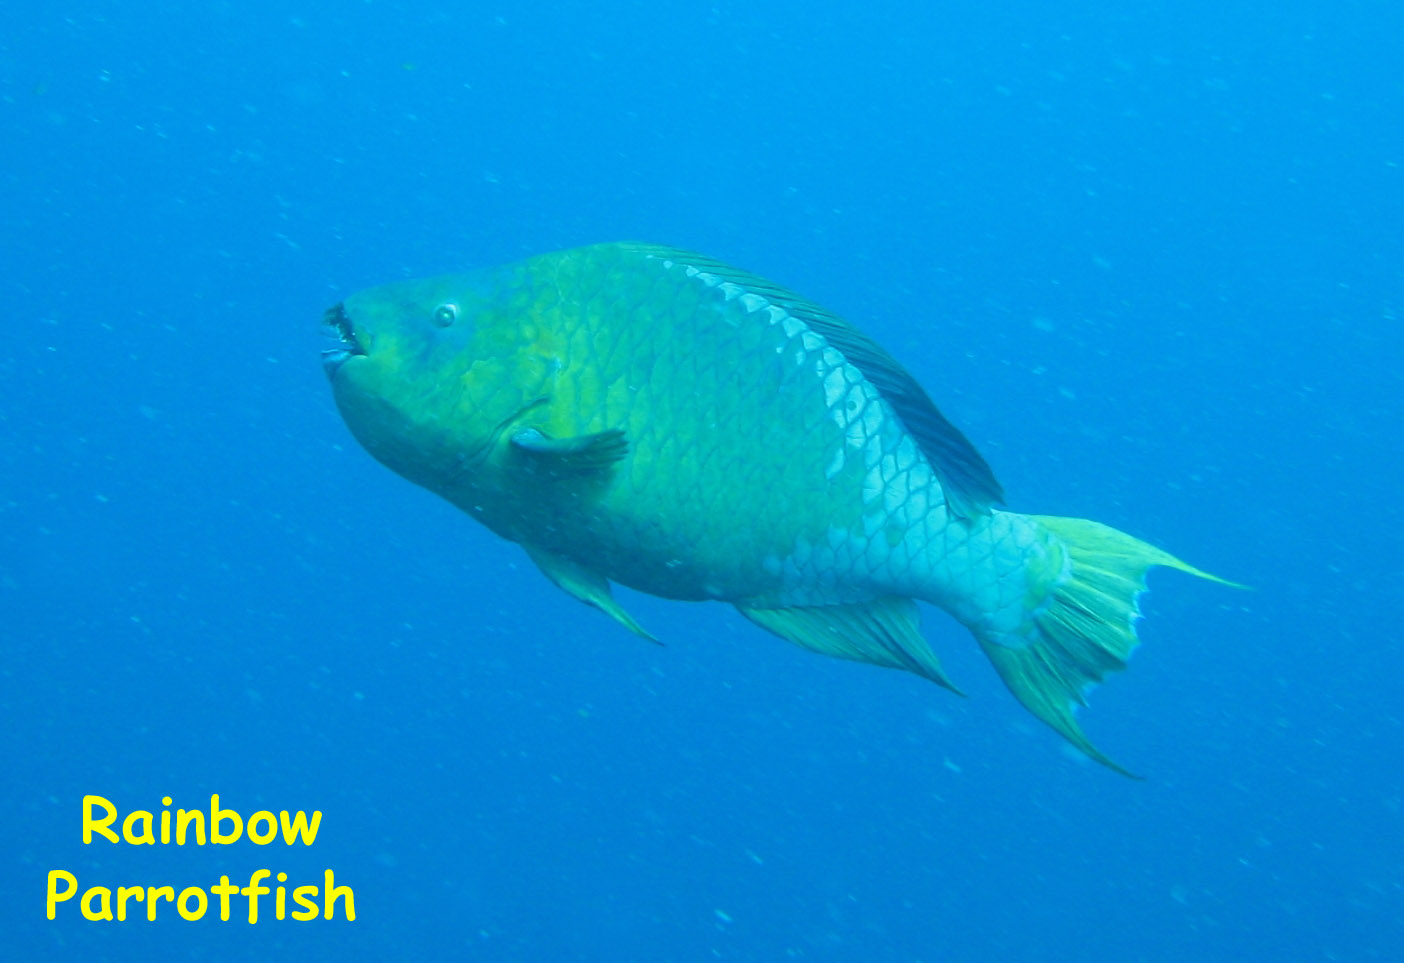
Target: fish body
[{"x": 637, "y": 414}]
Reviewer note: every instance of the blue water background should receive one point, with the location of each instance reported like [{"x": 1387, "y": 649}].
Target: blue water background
[{"x": 1147, "y": 256}]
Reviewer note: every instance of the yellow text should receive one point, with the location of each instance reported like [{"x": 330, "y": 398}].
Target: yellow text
[
  {"x": 99, "y": 903},
  {"x": 225, "y": 826}
]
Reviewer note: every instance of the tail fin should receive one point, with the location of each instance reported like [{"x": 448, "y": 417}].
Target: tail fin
[{"x": 1084, "y": 626}]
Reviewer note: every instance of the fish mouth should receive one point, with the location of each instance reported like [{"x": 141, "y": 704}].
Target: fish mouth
[{"x": 341, "y": 344}]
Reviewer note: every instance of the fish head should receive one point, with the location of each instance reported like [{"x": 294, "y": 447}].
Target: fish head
[{"x": 429, "y": 374}]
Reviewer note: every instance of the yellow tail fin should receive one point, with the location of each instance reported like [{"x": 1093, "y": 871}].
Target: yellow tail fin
[{"x": 1085, "y": 624}]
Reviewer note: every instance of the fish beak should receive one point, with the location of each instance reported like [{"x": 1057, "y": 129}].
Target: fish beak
[{"x": 341, "y": 343}]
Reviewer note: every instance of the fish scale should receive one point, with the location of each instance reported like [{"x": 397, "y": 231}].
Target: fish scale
[
  {"x": 855, "y": 563},
  {"x": 637, "y": 414}
]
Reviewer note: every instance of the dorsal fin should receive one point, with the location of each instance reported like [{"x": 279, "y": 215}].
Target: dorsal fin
[{"x": 966, "y": 479}]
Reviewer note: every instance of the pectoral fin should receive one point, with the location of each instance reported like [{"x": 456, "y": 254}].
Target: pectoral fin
[
  {"x": 588, "y": 586},
  {"x": 572, "y": 456},
  {"x": 883, "y": 632}
]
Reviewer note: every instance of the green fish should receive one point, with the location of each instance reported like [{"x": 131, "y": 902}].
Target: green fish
[{"x": 642, "y": 415}]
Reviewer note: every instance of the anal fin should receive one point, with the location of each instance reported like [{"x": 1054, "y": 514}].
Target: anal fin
[
  {"x": 882, "y": 632},
  {"x": 585, "y": 584}
]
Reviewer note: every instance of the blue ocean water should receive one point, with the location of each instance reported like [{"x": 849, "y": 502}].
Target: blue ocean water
[{"x": 1148, "y": 257}]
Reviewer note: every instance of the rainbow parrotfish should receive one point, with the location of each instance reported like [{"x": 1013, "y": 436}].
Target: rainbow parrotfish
[{"x": 637, "y": 414}]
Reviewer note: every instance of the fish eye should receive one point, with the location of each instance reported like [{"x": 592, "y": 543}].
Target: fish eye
[{"x": 445, "y": 315}]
